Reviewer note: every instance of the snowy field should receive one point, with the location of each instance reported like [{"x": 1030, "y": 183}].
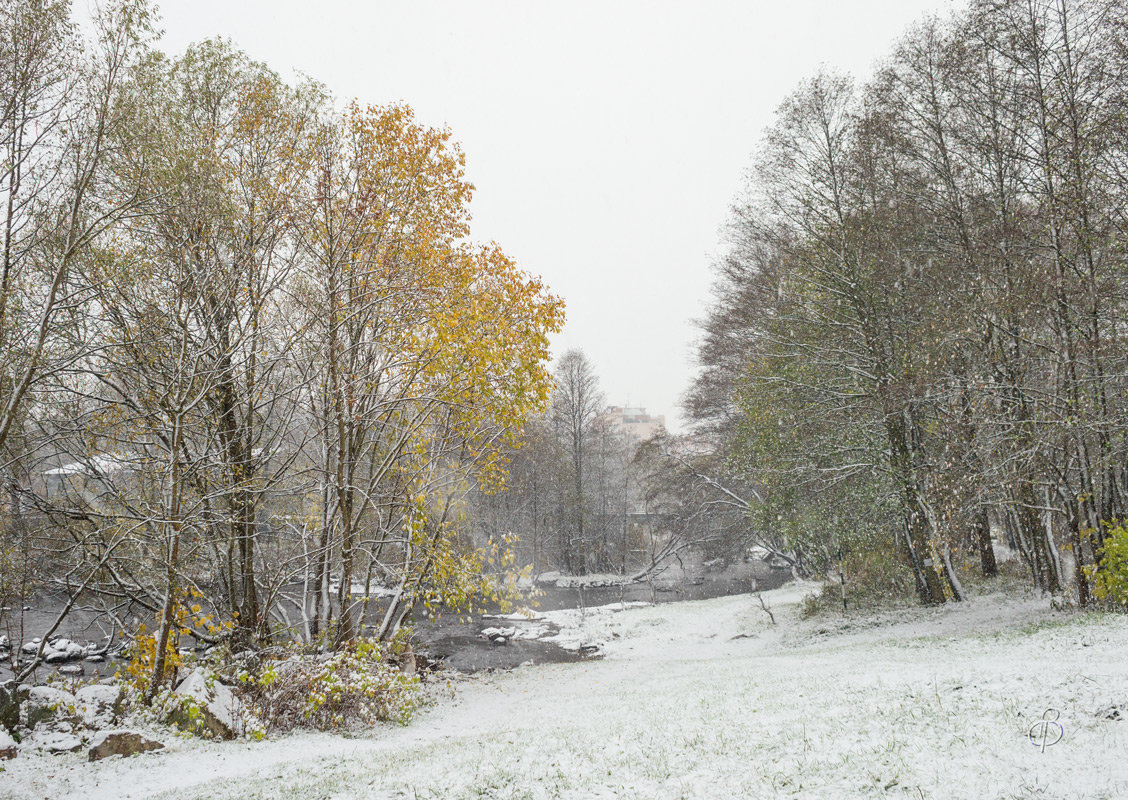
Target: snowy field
[{"x": 709, "y": 700}]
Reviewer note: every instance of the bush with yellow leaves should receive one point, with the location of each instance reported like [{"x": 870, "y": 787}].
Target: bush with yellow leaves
[
  {"x": 1110, "y": 576},
  {"x": 188, "y": 616}
]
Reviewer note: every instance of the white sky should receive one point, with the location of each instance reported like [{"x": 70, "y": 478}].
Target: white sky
[{"x": 606, "y": 138}]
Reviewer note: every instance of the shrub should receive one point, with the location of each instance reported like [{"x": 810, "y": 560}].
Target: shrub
[
  {"x": 187, "y": 616},
  {"x": 1110, "y": 577},
  {"x": 874, "y": 579},
  {"x": 355, "y": 685}
]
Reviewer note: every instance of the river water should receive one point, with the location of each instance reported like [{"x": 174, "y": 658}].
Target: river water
[{"x": 451, "y": 640}]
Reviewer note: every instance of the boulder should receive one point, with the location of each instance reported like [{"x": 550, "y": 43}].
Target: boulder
[
  {"x": 121, "y": 743},
  {"x": 71, "y": 670},
  {"x": 53, "y": 656},
  {"x": 30, "y": 648},
  {"x": 203, "y": 705},
  {"x": 57, "y": 743},
  {"x": 498, "y": 636},
  {"x": 7, "y": 746},
  {"x": 45, "y": 703},
  {"x": 99, "y": 705},
  {"x": 9, "y": 706}
]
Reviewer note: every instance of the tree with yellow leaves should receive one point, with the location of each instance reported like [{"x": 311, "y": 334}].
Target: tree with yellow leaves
[{"x": 425, "y": 352}]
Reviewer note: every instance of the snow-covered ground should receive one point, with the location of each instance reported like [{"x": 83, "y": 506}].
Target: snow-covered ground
[{"x": 708, "y": 699}]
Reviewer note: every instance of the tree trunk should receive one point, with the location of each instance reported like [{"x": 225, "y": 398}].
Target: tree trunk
[{"x": 987, "y": 561}]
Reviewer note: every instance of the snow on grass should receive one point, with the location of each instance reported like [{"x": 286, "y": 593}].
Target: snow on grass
[{"x": 708, "y": 699}]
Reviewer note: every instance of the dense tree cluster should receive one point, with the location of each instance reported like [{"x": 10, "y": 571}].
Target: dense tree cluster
[
  {"x": 574, "y": 497},
  {"x": 917, "y": 334},
  {"x": 250, "y": 362}
]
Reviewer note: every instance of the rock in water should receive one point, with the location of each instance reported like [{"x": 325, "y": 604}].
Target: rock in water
[
  {"x": 7, "y": 746},
  {"x": 203, "y": 705},
  {"x": 498, "y": 635},
  {"x": 121, "y": 743},
  {"x": 54, "y": 656},
  {"x": 45, "y": 703}
]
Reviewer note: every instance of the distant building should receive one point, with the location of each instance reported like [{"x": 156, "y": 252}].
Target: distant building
[{"x": 635, "y": 423}]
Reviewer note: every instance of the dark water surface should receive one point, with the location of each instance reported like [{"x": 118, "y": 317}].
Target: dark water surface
[{"x": 461, "y": 648}]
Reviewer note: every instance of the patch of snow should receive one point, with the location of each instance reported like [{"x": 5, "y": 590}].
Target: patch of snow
[
  {"x": 98, "y": 465},
  {"x": 356, "y": 588},
  {"x": 1003, "y": 553}
]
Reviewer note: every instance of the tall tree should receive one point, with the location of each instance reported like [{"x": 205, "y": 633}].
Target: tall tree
[{"x": 576, "y": 404}]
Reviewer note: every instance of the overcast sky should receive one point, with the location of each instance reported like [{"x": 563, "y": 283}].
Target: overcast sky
[{"x": 606, "y": 139}]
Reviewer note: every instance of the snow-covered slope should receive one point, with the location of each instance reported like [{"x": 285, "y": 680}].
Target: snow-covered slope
[{"x": 710, "y": 700}]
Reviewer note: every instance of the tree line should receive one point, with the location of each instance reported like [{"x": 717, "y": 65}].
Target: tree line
[
  {"x": 251, "y": 361},
  {"x": 916, "y": 341}
]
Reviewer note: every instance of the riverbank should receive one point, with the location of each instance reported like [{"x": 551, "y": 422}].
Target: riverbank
[
  {"x": 451, "y": 640},
  {"x": 711, "y": 699}
]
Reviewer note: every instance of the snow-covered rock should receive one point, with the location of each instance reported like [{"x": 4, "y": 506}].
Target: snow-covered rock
[
  {"x": 56, "y": 743},
  {"x": 57, "y": 651},
  {"x": 121, "y": 743},
  {"x": 202, "y": 704},
  {"x": 45, "y": 703},
  {"x": 8, "y": 749},
  {"x": 99, "y": 705},
  {"x": 589, "y": 581},
  {"x": 498, "y": 635},
  {"x": 53, "y": 656}
]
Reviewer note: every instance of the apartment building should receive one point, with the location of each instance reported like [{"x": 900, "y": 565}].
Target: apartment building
[{"x": 634, "y": 422}]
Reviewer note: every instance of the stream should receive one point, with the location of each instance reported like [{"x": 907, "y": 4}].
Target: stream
[{"x": 447, "y": 639}]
